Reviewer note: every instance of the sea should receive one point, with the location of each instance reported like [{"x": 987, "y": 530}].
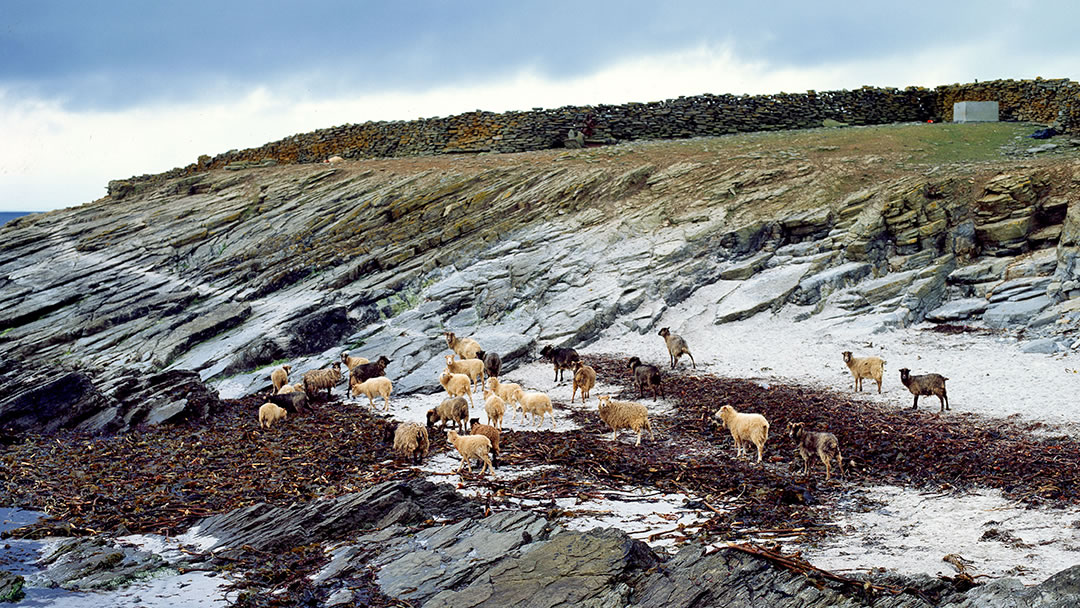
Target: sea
[{"x": 7, "y": 216}]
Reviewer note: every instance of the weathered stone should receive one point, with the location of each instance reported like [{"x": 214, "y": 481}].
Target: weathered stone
[
  {"x": 744, "y": 269},
  {"x": 11, "y": 587},
  {"x": 87, "y": 564},
  {"x": 810, "y": 289},
  {"x": 876, "y": 291},
  {"x": 763, "y": 291},
  {"x": 957, "y": 310},
  {"x": 1014, "y": 314},
  {"x": 1005, "y": 231}
]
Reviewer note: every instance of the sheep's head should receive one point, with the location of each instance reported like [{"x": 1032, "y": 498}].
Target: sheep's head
[
  {"x": 287, "y": 368},
  {"x": 450, "y": 338},
  {"x": 604, "y": 401},
  {"x": 344, "y": 356},
  {"x": 905, "y": 375},
  {"x": 664, "y": 333},
  {"x": 383, "y": 361},
  {"x": 449, "y": 361},
  {"x": 547, "y": 351},
  {"x": 847, "y": 356},
  {"x": 432, "y": 417},
  {"x": 633, "y": 362},
  {"x": 795, "y": 429},
  {"x": 724, "y": 414},
  {"x": 451, "y": 436}
]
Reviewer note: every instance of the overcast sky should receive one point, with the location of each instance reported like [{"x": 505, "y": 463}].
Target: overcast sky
[{"x": 92, "y": 91}]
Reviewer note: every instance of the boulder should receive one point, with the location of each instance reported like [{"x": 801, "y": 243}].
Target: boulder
[
  {"x": 957, "y": 310},
  {"x": 765, "y": 290},
  {"x": 1014, "y": 315}
]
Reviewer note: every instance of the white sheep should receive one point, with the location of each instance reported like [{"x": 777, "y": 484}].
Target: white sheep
[
  {"x": 753, "y": 428},
  {"x": 536, "y": 404},
  {"x": 584, "y": 379},
  {"x": 411, "y": 439},
  {"x": 495, "y": 408},
  {"x": 466, "y": 348},
  {"x": 333, "y": 160},
  {"x": 507, "y": 391},
  {"x": 280, "y": 376},
  {"x": 371, "y": 387},
  {"x": 456, "y": 385},
  {"x": 270, "y": 413},
  {"x": 473, "y": 368},
  {"x": 624, "y": 415},
  {"x": 290, "y": 388},
  {"x": 471, "y": 446},
  {"x": 865, "y": 367}
]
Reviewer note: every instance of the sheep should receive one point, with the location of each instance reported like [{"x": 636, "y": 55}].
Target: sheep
[
  {"x": 495, "y": 408},
  {"x": 466, "y": 348},
  {"x": 507, "y": 391},
  {"x": 676, "y": 347},
  {"x": 270, "y": 413},
  {"x": 536, "y": 404},
  {"x": 560, "y": 357},
  {"x": 454, "y": 410},
  {"x": 333, "y": 160},
  {"x": 471, "y": 446},
  {"x": 290, "y": 388},
  {"x": 744, "y": 428},
  {"x": 456, "y": 385},
  {"x": 492, "y": 433},
  {"x": 646, "y": 377},
  {"x": 492, "y": 362},
  {"x": 624, "y": 415},
  {"x": 364, "y": 371},
  {"x": 371, "y": 387},
  {"x": 472, "y": 368},
  {"x": 584, "y": 378},
  {"x": 351, "y": 362},
  {"x": 824, "y": 445},
  {"x": 280, "y": 376},
  {"x": 326, "y": 378},
  {"x": 865, "y": 367},
  {"x": 292, "y": 402},
  {"x": 926, "y": 384},
  {"x": 411, "y": 439}
]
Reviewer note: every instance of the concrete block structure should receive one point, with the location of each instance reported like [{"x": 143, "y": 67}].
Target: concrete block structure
[{"x": 975, "y": 111}]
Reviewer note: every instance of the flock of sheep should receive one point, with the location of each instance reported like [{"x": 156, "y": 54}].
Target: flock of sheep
[{"x": 469, "y": 368}]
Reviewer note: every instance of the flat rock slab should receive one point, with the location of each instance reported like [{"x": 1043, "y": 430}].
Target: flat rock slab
[
  {"x": 958, "y": 310},
  {"x": 1014, "y": 314},
  {"x": 760, "y": 292}
]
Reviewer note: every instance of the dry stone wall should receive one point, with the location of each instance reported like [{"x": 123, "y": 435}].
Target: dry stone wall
[{"x": 1045, "y": 101}]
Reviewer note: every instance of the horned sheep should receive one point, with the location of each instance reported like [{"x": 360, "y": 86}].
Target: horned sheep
[
  {"x": 473, "y": 368},
  {"x": 865, "y": 367},
  {"x": 454, "y": 410},
  {"x": 280, "y": 376},
  {"x": 270, "y": 413},
  {"x": 825, "y": 445},
  {"x": 745, "y": 428},
  {"x": 326, "y": 378},
  {"x": 584, "y": 378},
  {"x": 411, "y": 439},
  {"x": 624, "y": 415},
  {"x": 676, "y": 347},
  {"x": 471, "y": 446},
  {"x": 926, "y": 384},
  {"x": 466, "y": 348},
  {"x": 380, "y": 385}
]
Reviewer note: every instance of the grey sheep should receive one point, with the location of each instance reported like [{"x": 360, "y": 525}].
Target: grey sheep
[
  {"x": 825, "y": 445},
  {"x": 676, "y": 347},
  {"x": 646, "y": 377}
]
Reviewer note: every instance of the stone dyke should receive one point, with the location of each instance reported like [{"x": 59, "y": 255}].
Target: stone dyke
[{"x": 1040, "y": 100}]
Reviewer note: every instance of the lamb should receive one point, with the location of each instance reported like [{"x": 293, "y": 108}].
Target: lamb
[
  {"x": 411, "y": 439},
  {"x": 865, "y": 367},
  {"x": 471, "y": 446},
  {"x": 926, "y": 384},
  {"x": 466, "y": 348},
  {"x": 292, "y": 402},
  {"x": 560, "y": 357},
  {"x": 507, "y": 391},
  {"x": 326, "y": 378},
  {"x": 290, "y": 388},
  {"x": 646, "y": 377},
  {"x": 280, "y": 376},
  {"x": 492, "y": 363},
  {"x": 456, "y": 385},
  {"x": 495, "y": 408},
  {"x": 492, "y": 433},
  {"x": 270, "y": 413},
  {"x": 473, "y": 368},
  {"x": 824, "y": 445},
  {"x": 676, "y": 347},
  {"x": 365, "y": 371},
  {"x": 624, "y": 415},
  {"x": 536, "y": 403},
  {"x": 744, "y": 428},
  {"x": 454, "y": 410},
  {"x": 584, "y": 378},
  {"x": 371, "y": 387}
]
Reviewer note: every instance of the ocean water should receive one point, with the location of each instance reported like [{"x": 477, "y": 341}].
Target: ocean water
[{"x": 6, "y": 216}]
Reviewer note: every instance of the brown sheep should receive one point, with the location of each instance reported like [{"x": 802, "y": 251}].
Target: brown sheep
[
  {"x": 584, "y": 378},
  {"x": 926, "y": 384},
  {"x": 825, "y": 445}
]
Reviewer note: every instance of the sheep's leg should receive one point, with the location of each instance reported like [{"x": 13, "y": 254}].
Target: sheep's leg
[
  {"x": 552, "y": 420},
  {"x": 691, "y": 359},
  {"x": 652, "y": 436},
  {"x": 839, "y": 462},
  {"x": 638, "y": 436},
  {"x": 573, "y": 393},
  {"x": 759, "y": 446},
  {"x": 615, "y": 434},
  {"x": 942, "y": 400},
  {"x": 916, "y": 404},
  {"x": 879, "y": 385}
]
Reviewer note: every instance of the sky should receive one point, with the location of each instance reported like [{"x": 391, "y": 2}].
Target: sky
[{"x": 93, "y": 91}]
